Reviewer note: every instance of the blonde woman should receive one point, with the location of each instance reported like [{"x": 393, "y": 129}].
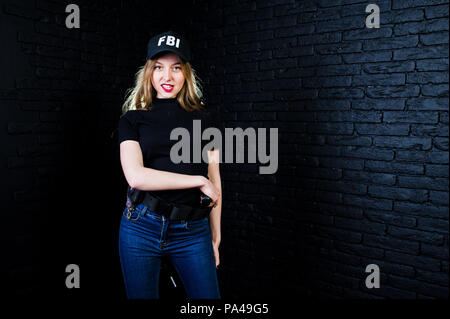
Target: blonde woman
[{"x": 168, "y": 219}]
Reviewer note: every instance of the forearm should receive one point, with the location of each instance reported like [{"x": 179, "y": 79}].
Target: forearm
[
  {"x": 149, "y": 179},
  {"x": 215, "y": 217}
]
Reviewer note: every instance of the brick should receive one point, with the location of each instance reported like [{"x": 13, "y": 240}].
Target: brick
[
  {"x": 341, "y": 210},
  {"x": 277, "y": 64},
  {"x": 432, "y": 65},
  {"x": 434, "y": 38},
  {"x": 394, "y": 244},
  {"x": 344, "y": 23},
  {"x": 439, "y": 129},
  {"x": 362, "y": 226},
  {"x": 344, "y": 187},
  {"x": 439, "y": 252},
  {"x": 378, "y": 79},
  {"x": 338, "y": 234},
  {"x": 410, "y": 117},
  {"x": 330, "y": 70},
  {"x": 427, "y": 104},
  {"x": 436, "y": 11},
  {"x": 437, "y": 278},
  {"x": 320, "y": 15},
  {"x": 403, "y": 4},
  {"x": 319, "y": 60},
  {"x": 350, "y": 116},
  {"x": 366, "y": 57},
  {"x": 425, "y": 26},
  {"x": 379, "y": 104},
  {"x": 367, "y": 177},
  {"x": 376, "y": 203},
  {"x": 417, "y": 235},
  {"x": 300, "y": 29},
  {"x": 332, "y": 37},
  {"x": 393, "y": 167},
  {"x": 338, "y": 93},
  {"x": 433, "y": 224},
  {"x": 292, "y": 52},
  {"x": 398, "y": 193},
  {"x": 366, "y": 33},
  {"x": 437, "y": 90},
  {"x": 408, "y": 90},
  {"x": 440, "y": 143},
  {"x": 382, "y": 129},
  {"x": 408, "y": 142},
  {"x": 357, "y": 141},
  {"x": 390, "y": 217},
  {"x": 423, "y": 182},
  {"x": 397, "y": 16},
  {"x": 360, "y": 250},
  {"x": 389, "y": 67},
  {"x": 427, "y": 77},
  {"x": 367, "y": 153},
  {"x": 421, "y": 262},
  {"x": 393, "y": 293},
  {"x": 317, "y": 82},
  {"x": 424, "y": 157},
  {"x": 439, "y": 198},
  {"x": 437, "y": 170},
  {"x": 422, "y": 287},
  {"x": 408, "y": 41}
]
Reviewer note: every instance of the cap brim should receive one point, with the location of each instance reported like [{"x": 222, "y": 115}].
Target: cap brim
[{"x": 168, "y": 50}]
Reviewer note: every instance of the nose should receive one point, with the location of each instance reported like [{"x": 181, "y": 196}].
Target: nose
[{"x": 167, "y": 74}]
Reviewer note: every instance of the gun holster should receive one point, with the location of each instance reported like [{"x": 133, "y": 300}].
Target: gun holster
[{"x": 134, "y": 197}]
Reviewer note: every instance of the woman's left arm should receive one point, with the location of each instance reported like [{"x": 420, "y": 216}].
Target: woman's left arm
[{"x": 216, "y": 212}]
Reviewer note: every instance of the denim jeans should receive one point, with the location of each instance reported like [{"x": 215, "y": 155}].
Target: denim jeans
[{"x": 145, "y": 236}]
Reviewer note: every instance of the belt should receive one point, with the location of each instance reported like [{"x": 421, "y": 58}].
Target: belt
[{"x": 172, "y": 211}]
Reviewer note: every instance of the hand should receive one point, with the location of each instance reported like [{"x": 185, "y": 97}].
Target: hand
[
  {"x": 216, "y": 253},
  {"x": 210, "y": 190}
]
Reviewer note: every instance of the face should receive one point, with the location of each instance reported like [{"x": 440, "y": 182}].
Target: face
[{"x": 167, "y": 77}]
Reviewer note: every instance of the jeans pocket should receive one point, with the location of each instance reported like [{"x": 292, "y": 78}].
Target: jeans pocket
[{"x": 197, "y": 224}]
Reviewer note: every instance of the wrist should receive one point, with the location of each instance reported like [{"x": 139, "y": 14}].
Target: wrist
[
  {"x": 201, "y": 181},
  {"x": 216, "y": 238}
]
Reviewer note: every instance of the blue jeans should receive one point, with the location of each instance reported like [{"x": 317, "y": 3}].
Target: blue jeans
[{"x": 146, "y": 236}]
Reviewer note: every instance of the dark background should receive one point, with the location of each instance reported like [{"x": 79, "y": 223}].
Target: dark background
[{"x": 362, "y": 116}]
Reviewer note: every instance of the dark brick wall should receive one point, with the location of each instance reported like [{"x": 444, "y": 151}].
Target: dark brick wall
[
  {"x": 363, "y": 142},
  {"x": 63, "y": 191},
  {"x": 363, "y": 122}
]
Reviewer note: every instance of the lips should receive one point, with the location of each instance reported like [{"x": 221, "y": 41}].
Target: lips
[{"x": 167, "y": 87}]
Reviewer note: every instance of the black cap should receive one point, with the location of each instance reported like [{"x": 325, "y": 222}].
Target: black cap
[{"x": 169, "y": 41}]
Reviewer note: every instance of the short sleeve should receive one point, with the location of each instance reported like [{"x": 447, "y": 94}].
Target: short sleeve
[{"x": 128, "y": 129}]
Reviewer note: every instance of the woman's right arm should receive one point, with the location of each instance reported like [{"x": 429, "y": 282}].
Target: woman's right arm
[{"x": 149, "y": 179}]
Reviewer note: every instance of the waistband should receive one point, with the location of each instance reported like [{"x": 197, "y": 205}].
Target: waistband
[{"x": 174, "y": 211}]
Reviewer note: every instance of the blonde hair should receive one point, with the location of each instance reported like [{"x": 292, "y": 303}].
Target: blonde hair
[{"x": 141, "y": 96}]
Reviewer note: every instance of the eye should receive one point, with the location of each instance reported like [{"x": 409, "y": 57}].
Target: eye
[
  {"x": 157, "y": 66},
  {"x": 177, "y": 67}
]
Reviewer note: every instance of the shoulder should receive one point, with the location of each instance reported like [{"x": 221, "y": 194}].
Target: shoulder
[{"x": 133, "y": 116}]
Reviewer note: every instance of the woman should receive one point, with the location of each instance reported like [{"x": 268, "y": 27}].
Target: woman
[{"x": 169, "y": 221}]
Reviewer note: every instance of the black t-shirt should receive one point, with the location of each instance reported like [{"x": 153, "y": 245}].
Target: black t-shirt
[{"x": 152, "y": 130}]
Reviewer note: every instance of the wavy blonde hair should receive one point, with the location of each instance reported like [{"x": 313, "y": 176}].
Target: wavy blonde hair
[{"x": 141, "y": 96}]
